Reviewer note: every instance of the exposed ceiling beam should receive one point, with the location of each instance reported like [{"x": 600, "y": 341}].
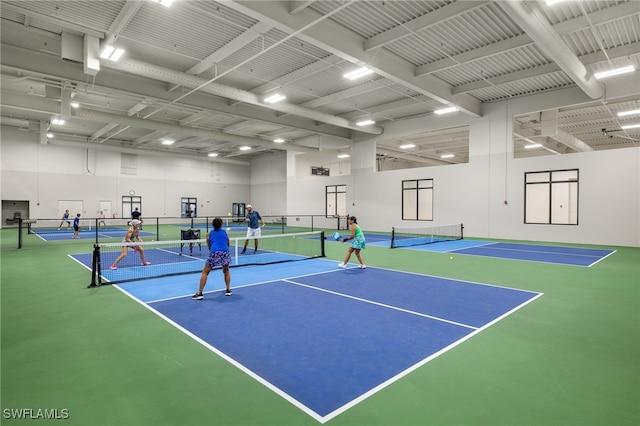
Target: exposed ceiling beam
[
  {"x": 566, "y": 27},
  {"x": 52, "y": 107},
  {"x": 164, "y": 74},
  {"x": 74, "y": 27},
  {"x": 592, "y": 58},
  {"x": 300, "y": 74},
  {"x": 183, "y": 130},
  {"x": 40, "y": 64},
  {"x": 256, "y": 31},
  {"x": 298, "y": 5},
  {"x": 410, "y": 157},
  {"x": 344, "y": 43},
  {"x": 538, "y": 140},
  {"x": 570, "y": 141},
  {"x": 438, "y": 16},
  {"x": 536, "y": 25},
  {"x": 71, "y": 141},
  {"x": 128, "y": 11}
]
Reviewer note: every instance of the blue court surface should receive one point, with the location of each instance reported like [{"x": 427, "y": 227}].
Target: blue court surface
[
  {"x": 325, "y": 338},
  {"x": 576, "y": 256},
  {"x": 87, "y": 234}
]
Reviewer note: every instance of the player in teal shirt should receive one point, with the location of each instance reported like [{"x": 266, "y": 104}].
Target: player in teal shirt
[{"x": 358, "y": 243}]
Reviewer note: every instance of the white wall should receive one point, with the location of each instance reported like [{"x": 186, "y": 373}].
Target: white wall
[
  {"x": 268, "y": 185},
  {"x": 475, "y": 193},
  {"x": 472, "y": 193},
  {"x": 43, "y": 174}
]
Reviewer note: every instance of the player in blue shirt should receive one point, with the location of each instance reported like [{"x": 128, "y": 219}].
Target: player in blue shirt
[
  {"x": 76, "y": 226},
  {"x": 65, "y": 218},
  {"x": 219, "y": 255},
  {"x": 253, "y": 231}
]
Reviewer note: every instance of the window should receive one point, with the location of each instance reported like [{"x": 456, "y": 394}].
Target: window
[
  {"x": 551, "y": 197},
  {"x": 417, "y": 199},
  {"x": 336, "y": 200},
  {"x": 189, "y": 207},
  {"x": 129, "y": 204}
]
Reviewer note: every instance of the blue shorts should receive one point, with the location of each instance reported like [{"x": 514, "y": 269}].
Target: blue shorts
[{"x": 219, "y": 258}]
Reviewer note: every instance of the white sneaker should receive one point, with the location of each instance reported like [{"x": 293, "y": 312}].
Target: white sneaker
[
  {"x": 342, "y": 265},
  {"x": 363, "y": 266}
]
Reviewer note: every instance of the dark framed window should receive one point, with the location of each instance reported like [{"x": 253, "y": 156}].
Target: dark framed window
[
  {"x": 417, "y": 199},
  {"x": 335, "y": 200},
  {"x": 129, "y": 204},
  {"x": 551, "y": 197},
  {"x": 188, "y": 207}
]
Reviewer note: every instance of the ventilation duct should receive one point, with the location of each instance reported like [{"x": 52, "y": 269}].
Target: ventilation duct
[{"x": 72, "y": 48}]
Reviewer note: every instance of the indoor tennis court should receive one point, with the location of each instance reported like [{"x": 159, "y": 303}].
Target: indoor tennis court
[
  {"x": 432, "y": 210},
  {"x": 281, "y": 329}
]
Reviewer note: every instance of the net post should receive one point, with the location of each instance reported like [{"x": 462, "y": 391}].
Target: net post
[
  {"x": 322, "y": 240},
  {"x": 462, "y": 231},
  {"x": 96, "y": 269},
  {"x": 97, "y": 228},
  {"x": 19, "y": 232}
]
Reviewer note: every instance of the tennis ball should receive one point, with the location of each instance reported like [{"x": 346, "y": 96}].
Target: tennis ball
[
  {"x": 228, "y": 229},
  {"x": 229, "y": 214},
  {"x": 450, "y": 257}
]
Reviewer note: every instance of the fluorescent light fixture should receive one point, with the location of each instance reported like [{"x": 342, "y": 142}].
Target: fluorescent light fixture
[
  {"x": 49, "y": 135},
  {"x": 343, "y": 155},
  {"x": 168, "y": 142},
  {"x": 360, "y": 72},
  {"x": 365, "y": 122},
  {"x": 630, "y": 126},
  {"x": 278, "y": 140},
  {"x": 617, "y": 71},
  {"x": 552, "y": 2},
  {"x": 632, "y": 112},
  {"x": 447, "y": 156},
  {"x": 57, "y": 121},
  {"x": 274, "y": 98},
  {"x": 244, "y": 148},
  {"x": 74, "y": 105},
  {"x": 533, "y": 145},
  {"x": 407, "y": 146},
  {"x": 166, "y": 3},
  {"x": 111, "y": 53},
  {"x": 445, "y": 110},
  {"x": 212, "y": 154}
]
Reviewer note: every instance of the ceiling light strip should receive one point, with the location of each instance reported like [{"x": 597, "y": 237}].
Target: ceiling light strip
[
  {"x": 631, "y": 112},
  {"x": 616, "y": 71},
  {"x": 445, "y": 110},
  {"x": 360, "y": 72}
]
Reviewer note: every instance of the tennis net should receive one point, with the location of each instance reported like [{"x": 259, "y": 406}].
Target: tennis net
[
  {"x": 414, "y": 236},
  {"x": 167, "y": 258}
]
